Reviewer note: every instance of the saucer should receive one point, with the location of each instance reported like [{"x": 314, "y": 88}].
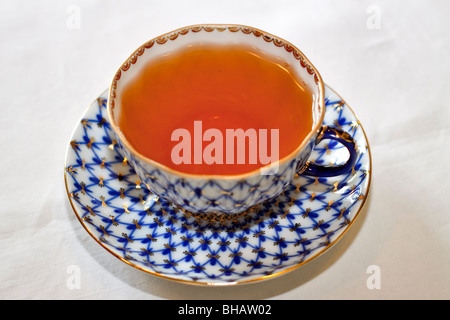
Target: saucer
[{"x": 153, "y": 235}]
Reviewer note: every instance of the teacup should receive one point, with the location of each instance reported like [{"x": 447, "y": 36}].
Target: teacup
[{"x": 234, "y": 193}]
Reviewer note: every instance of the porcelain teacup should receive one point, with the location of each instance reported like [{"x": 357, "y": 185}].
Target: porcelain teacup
[{"x": 228, "y": 194}]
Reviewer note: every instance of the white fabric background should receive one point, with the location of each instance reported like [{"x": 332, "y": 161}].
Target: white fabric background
[{"x": 394, "y": 76}]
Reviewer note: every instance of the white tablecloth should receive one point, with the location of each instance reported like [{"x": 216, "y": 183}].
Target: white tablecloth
[{"x": 388, "y": 59}]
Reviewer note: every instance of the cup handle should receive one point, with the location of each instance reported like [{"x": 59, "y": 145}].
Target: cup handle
[{"x": 317, "y": 170}]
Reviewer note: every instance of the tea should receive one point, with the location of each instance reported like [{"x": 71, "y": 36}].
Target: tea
[{"x": 223, "y": 88}]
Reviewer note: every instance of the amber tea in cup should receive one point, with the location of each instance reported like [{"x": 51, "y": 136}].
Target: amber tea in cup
[{"x": 220, "y": 87}]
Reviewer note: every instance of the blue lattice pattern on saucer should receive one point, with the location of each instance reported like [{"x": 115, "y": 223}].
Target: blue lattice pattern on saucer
[{"x": 156, "y": 236}]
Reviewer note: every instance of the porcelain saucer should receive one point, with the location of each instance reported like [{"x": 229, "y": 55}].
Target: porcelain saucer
[{"x": 153, "y": 235}]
